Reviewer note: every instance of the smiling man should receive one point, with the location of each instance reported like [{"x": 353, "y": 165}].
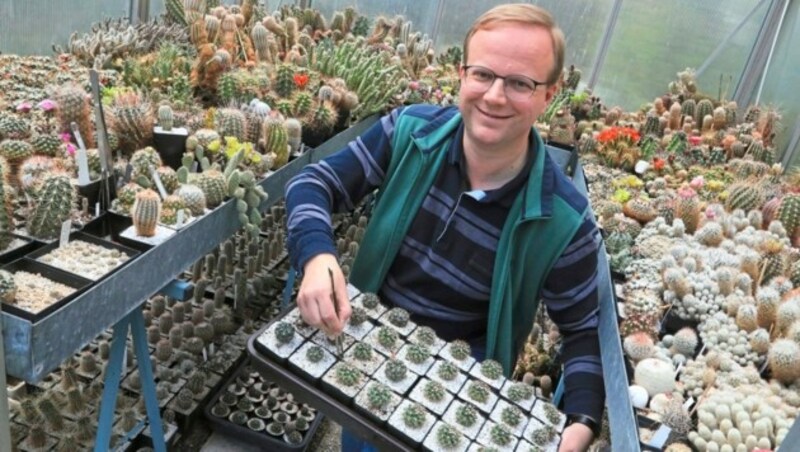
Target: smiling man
[{"x": 474, "y": 224}]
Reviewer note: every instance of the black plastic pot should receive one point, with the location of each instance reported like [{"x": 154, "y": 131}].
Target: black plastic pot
[{"x": 170, "y": 145}]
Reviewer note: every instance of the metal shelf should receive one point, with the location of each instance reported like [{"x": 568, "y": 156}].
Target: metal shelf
[{"x": 32, "y": 350}]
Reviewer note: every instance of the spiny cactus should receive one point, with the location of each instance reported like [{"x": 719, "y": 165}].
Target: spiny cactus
[
  {"x": 466, "y": 415},
  {"x": 426, "y": 335},
  {"x": 491, "y": 369},
  {"x": 214, "y": 187},
  {"x": 460, "y": 350},
  {"x": 370, "y": 300},
  {"x": 542, "y": 436},
  {"x": 379, "y": 396},
  {"x": 275, "y": 140},
  {"x": 518, "y": 392},
  {"x": 145, "y": 212},
  {"x": 48, "y": 145},
  {"x": 414, "y": 416},
  {"x": 447, "y": 437},
  {"x": 347, "y": 375},
  {"x": 362, "y": 351},
  {"x": 315, "y": 354},
  {"x": 231, "y": 122},
  {"x": 638, "y": 346},
  {"x": 395, "y": 370},
  {"x": 417, "y": 354},
  {"x": 358, "y": 316},
  {"x": 500, "y": 435},
  {"x": 166, "y": 117},
  {"x": 398, "y": 317},
  {"x": 8, "y": 287},
  {"x": 745, "y": 196},
  {"x": 387, "y": 337},
  {"x": 54, "y": 204},
  {"x": 784, "y": 360},
  {"x": 434, "y": 391},
  {"x": 551, "y": 413},
  {"x": 294, "y": 133},
  {"x": 685, "y": 341},
  {"x": 73, "y": 106},
  {"x": 194, "y": 198},
  {"x": 447, "y": 371},
  {"x": 478, "y": 391},
  {"x": 130, "y": 117},
  {"x": 142, "y": 162}
]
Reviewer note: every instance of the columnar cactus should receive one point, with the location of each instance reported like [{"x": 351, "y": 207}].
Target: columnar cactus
[
  {"x": 703, "y": 108},
  {"x": 73, "y": 106},
  {"x": 284, "y": 80},
  {"x": 6, "y": 212},
  {"x": 54, "y": 204},
  {"x": 166, "y": 118},
  {"x": 260, "y": 35},
  {"x": 145, "y": 212},
  {"x": 274, "y": 136},
  {"x": 294, "y": 133}
]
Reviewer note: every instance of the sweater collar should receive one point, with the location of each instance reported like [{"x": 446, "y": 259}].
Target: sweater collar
[{"x": 538, "y": 195}]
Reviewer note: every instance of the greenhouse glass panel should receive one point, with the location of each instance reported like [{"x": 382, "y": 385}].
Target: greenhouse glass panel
[
  {"x": 654, "y": 40},
  {"x": 783, "y": 78},
  {"x": 31, "y": 27}
]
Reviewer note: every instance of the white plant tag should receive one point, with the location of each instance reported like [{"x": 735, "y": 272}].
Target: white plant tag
[
  {"x": 83, "y": 166},
  {"x": 65, "y": 228},
  {"x": 159, "y": 184},
  {"x": 179, "y": 219},
  {"x": 205, "y": 355},
  {"x": 97, "y": 209},
  {"x": 688, "y": 403}
]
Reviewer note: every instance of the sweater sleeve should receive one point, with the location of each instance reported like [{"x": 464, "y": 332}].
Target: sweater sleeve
[
  {"x": 334, "y": 184},
  {"x": 570, "y": 295}
]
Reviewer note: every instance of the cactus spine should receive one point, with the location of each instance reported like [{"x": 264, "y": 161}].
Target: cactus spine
[
  {"x": 145, "y": 212},
  {"x": 54, "y": 204}
]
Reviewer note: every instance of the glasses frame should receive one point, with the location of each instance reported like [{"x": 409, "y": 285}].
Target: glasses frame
[{"x": 536, "y": 84}]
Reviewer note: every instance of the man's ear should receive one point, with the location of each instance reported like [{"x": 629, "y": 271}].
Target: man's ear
[{"x": 550, "y": 92}]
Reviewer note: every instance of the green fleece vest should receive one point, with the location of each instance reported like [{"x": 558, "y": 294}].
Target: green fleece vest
[{"x": 530, "y": 243}]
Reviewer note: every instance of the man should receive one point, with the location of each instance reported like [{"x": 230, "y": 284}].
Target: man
[{"x": 473, "y": 223}]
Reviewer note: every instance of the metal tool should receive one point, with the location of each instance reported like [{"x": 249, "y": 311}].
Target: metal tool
[
  {"x": 339, "y": 342},
  {"x": 103, "y": 147}
]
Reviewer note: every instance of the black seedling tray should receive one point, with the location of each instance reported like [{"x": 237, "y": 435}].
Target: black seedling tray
[
  {"x": 68, "y": 279},
  {"x": 262, "y": 439},
  {"x": 306, "y": 392},
  {"x": 83, "y": 236},
  {"x": 109, "y": 225},
  {"x": 29, "y": 246}
]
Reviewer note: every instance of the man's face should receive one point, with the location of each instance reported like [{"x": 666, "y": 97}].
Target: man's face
[{"x": 493, "y": 121}]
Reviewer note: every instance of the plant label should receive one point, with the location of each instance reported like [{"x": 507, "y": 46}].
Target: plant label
[
  {"x": 83, "y": 166},
  {"x": 64, "y": 238},
  {"x": 159, "y": 184}
]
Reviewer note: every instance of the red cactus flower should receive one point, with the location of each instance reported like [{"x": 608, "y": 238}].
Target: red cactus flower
[
  {"x": 301, "y": 80},
  {"x": 659, "y": 163},
  {"x": 613, "y": 134}
]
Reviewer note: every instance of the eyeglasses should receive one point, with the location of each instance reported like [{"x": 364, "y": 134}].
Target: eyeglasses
[{"x": 516, "y": 87}]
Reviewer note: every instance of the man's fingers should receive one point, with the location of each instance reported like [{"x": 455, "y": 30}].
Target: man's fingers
[{"x": 329, "y": 320}]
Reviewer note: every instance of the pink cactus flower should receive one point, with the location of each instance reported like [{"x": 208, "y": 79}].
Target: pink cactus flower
[
  {"x": 413, "y": 85},
  {"x": 695, "y": 140},
  {"x": 65, "y": 137},
  {"x": 24, "y": 107},
  {"x": 710, "y": 213},
  {"x": 47, "y": 105},
  {"x": 697, "y": 183},
  {"x": 71, "y": 149}
]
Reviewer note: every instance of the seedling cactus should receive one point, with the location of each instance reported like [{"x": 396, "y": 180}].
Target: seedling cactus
[
  {"x": 417, "y": 354},
  {"x": 314, "y": 353},
  {"x": 414, "y": 416},
  {"x": 8, "y": 288},
  {"x": 460, "y": 350},
  {"x": 370, "y": 300},
  {"x": 448, "y": 437},
  {"x": 434, "y": 391},
  {"x": 426, "y": 335},
  {"x": 518, "y": 392},
  {"x": 387, "y": 337},
  {"x": 358, "y": 316},
  {"x": 466, "y": 415},
  {"x": 395, "y": 370},
  {"x": 552, "y": 413},
  {"x": 347, "y": 375},
  {"x": 362, "y": 351},
  {"x": 478, "y": 391},
  {"x": 398, "y": 317},
  {"x": 500, "y": 435},
  {"x": 543, "y": 436},
  {"x": 447, "y": 371},
  {"x": 284, "y": 332},
  {"x": 511, "y": 415},
  {"x": 379, "y": 396},
  {"x": 491, "y": 369}
]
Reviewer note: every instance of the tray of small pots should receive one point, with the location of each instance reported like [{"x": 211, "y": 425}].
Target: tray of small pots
[
  {"x": 262, "y": 413},
  {"x": 401, "y": 387}
]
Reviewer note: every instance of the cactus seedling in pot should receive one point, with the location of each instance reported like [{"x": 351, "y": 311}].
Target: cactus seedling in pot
[{"x": 284, "y": 332}]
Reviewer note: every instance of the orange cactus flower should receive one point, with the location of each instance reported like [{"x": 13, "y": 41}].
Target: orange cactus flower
[{"x": 301, "y": 80}]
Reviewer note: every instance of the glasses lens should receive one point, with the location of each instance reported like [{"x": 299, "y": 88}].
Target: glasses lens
[
  {"x": 519, "y": 87},
  {"x": 480, "y": 77}
]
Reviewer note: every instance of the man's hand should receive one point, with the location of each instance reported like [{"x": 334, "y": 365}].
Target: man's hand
[
  {"x": 576, "y": 438},
  {"x": 314, "y": 297}
]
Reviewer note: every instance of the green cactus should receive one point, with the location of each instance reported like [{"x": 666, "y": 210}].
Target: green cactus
[
  {"x": 387, "y": 337},
  {"x": 395, "y": 370},
  {"x": 322, "y": 118},
  {"x": 551, "y": 413},
  {"x": 434, "y": 391},
  {"x": 745, "y": 196},
  {"x": 260, "y": 36},
  {"x": 362, "y": 351},
  {"x": 414, "y": 416},
  {"x": 145, "y": 212},
  {"x": 703, "y": 108},
  {"x": 169, "y": 179},
  {"x": 14, "y": 128},
  {"x": 478, "y": 391},
  {"x": 54, "y": 204},
  {"x": 231, "y": 122},
  {"x": 542, "y": 436},
  {"x": 6, "y": 211},
  {"x": 358, "y": 316},
  {"x": 142, "y": 161},
  {"x": 284, "y": 80},
  {"x": 789, "y": 212},
  {"x": 15, "y": 150},
  {"x": 511, "y": 415},
  {"x": 688, "y": 107},
  {"x": 228, "y": 91},
  {"x": 194, "y": 198},
  {"x": 417, "y": 353},
  {"x": 460, "y": 350},
  {"x": 370, "y": 300},
  {"x": 214, "y": 187},
  {"x": 398, "y": 317},
  {"x": 166, "y": 118},
  {"x": 48, "y": 145},
  {"x": 315, "y": 354},
  {"x": 651, "y": 125},
  {"x": 73, "y": 106},
  {"x": 426, "y": 335},
  {"x": 500, "y": 435},
  {"x": 448, "y": 437},
  {"x": 130, "y": 117},
  {"x": 176, "y": 12},
  {"x": 378, "y": 396},
  {"x": 275, "y": 138},
  {"x": 466, "y": 415},
  {"x": 518, "y": 392},
  {"x": 284, "y": 332},
  {"x": 302, "y": 103},
  {"x": 447, "y": 371},
  {"x": 347, "y": 375},
  {"x": 491, "y": 369}
]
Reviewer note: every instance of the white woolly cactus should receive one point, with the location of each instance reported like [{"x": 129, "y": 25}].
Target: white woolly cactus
[
  {"x": 767, "y": 300},
  {"x": 784, "y": 360},
  {"x": 724, "y": 278},
  {"x": 685, "y": 341},
  {"x": 639, "y": 346},
  {"x": 655, "y": 375},
  {"x": 746, "y": 317},
  {"x": 759, "y": 341},
  {"x": 710, "y": 234},
  {"x": 720, "y": 332},
  {"x": 788, "y": 312}
]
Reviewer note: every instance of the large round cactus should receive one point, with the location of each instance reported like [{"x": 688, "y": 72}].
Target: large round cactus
[{"x": 53, "y": 206}]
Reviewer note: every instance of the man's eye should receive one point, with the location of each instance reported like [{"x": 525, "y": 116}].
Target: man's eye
[
  {"x": 482, "y": 75},
  {"x": 519, "y": 85}
]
